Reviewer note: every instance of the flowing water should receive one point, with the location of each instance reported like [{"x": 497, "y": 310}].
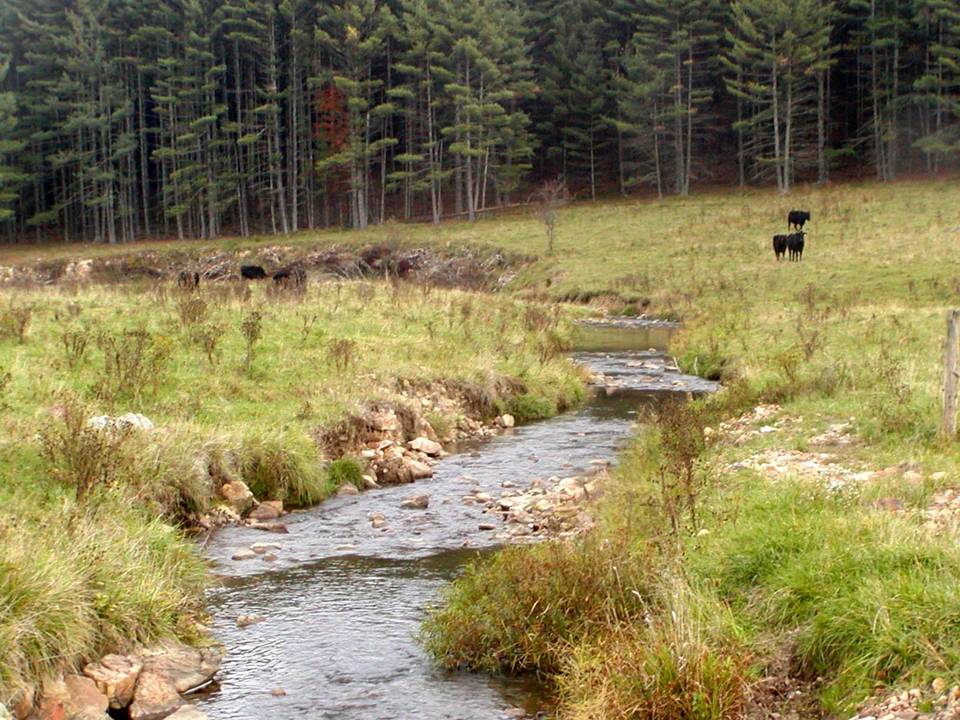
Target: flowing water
[{"x": 342, "y": 602}]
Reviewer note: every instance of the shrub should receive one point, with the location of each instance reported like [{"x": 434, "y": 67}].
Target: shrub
[
  {"x": 15, "y": 321},
  {"x": 78, "y": 454},
  {"x": 684, "y": 662},
  {"x": 135, "y": 363},
  {"x": 281, "y": 467},
  {"x": 528, "y": 407},
  {"x": 80, "y": 584},
  {"x": 344, "y": 471},
  {"x": 518, "y": 611}
]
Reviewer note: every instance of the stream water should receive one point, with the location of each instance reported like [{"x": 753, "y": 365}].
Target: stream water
[{"x": 343, "y": 601}]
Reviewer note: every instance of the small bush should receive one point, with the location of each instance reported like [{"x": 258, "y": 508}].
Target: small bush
[
  {"x": 518, "y": 611},
  {"x": 345, "y": 471},
  {"x": 528, "y": 407},
  {"x": 281, "y": 467},
  {"x": 81, "y": 456},
  {"x": 83, "y": 583},
  {"x": 135, "y": 363},
  {"x": 684, "y": 662},
  {"x": 15, "y": 322},
  {"x": 192, "y": 310},
  {"x": 341, "y": 353}
]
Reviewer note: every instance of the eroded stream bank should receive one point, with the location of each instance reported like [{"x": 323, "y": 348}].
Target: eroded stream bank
[{"x": 339, "y": 607}]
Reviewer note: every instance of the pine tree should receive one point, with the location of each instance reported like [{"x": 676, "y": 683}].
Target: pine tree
[
  {"x": 938, "y": 89},
  {"x": 10, "y": 144},
  {"x": 776, "y": 52},
  {"x": 352, "y": 34}
]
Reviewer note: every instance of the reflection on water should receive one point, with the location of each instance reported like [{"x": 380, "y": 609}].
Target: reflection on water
[{"x": 343, "y": 601}]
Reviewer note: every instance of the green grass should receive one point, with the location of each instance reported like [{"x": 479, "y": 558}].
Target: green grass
[
  {"x": 681, "y": 619},
  {"x": 863, "y": 598},
  {"x": 92, "y": 557}
]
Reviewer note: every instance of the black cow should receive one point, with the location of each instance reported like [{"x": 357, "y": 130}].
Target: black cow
[
  {"x": 797, "y": 219},
  {"x": 252, "y": 272},
  {"x": 188, "y": 280},
  {"x": 795, "y": 244},
  {"x": 290, "y": 276},
  {"x": 779, "y": 246}
]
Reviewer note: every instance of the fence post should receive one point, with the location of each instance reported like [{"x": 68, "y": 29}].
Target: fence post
[{"x": 951, "y": 373}]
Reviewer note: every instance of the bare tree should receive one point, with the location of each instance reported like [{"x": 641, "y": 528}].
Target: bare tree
[{"x": 547, "y": 202}]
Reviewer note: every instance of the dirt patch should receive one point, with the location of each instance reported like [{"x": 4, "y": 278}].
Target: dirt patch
[{"x": 469, "y": 268}]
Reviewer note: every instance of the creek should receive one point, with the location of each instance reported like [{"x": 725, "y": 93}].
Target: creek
[{"x": 342, "y": 602}]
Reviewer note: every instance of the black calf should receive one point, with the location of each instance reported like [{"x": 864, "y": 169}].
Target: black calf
[
  {"x": 795, "y": 245},
  {"x": 797, "y": 219},
  {"x": 252, "y": 272},
  {"x": 779, "y": 246}
]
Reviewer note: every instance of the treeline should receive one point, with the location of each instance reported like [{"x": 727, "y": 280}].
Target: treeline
[{"x": 124, "y": 119}]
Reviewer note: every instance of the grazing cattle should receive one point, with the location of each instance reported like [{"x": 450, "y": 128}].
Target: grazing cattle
[
  {"x": 797, "y": 219},
  {"x": 188, "y": 280},
  {"x": 252, "y": 272},
  {"x": 290, "y": 276},
  {"x": 795, "y": 244},
  {"x": 779, "y": 246}
]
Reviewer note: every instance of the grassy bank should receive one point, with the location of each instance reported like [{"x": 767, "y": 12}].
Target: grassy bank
[
  {"x": 241, "y": 382},
  {"x": 773, "y": 550}
]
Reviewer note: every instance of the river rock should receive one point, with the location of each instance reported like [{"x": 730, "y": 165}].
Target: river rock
[
  {"x": 188, "y": 712},
  {"x": 238, "y": 495},
  {"x": 155, "y": 697},
  {"x": 912, "y": 477},
  {"x": 278, "y": 692},
  {"x": 264, "y": 548},
  {"x": 187, "y": 667},
  {"x": 347, "y": 489},
  {"x": 393, "y": 471},
  {"x": 418, "y": 470},
  {"x": 115, "y": 676},
  {"x": 385, "y": 421},
  {"x": 486, "y": 526},
  {"x": 378, "y": 520},
  {"x": 483, "y": 497},
  {"x": 426, "y": 446},
  {"x": 244, "y": 554},
  {"x": 269, "y": 527},
  {"x": 248, "y": 620},
  {"x": 267, "y": 510},
  {"x": 416, "y": 502},
  {"x": 75, "y": 697},
  {"x": 506, "y": 421},
  {"x": 369, "y": 483}
]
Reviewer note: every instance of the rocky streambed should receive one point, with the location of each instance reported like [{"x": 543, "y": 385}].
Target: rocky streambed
[{"x": 322, "y": 622}]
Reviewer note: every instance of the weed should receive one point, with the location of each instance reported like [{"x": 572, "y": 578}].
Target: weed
[
  {"x": 80, "y": 455},
  {"x": 15, "y": 322},
  {"x": 252, "y": 329},
  {"x": 341, "y": 352},
  {"x": 135, "y": 363},
  {"x": 192, "y": 310},
  {"x": 75, "y": 341}
]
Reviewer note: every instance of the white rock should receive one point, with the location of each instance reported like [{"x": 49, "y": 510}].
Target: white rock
[
  {"x": 426, "y": 446},
  {"x": 416, "y": 502}
]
